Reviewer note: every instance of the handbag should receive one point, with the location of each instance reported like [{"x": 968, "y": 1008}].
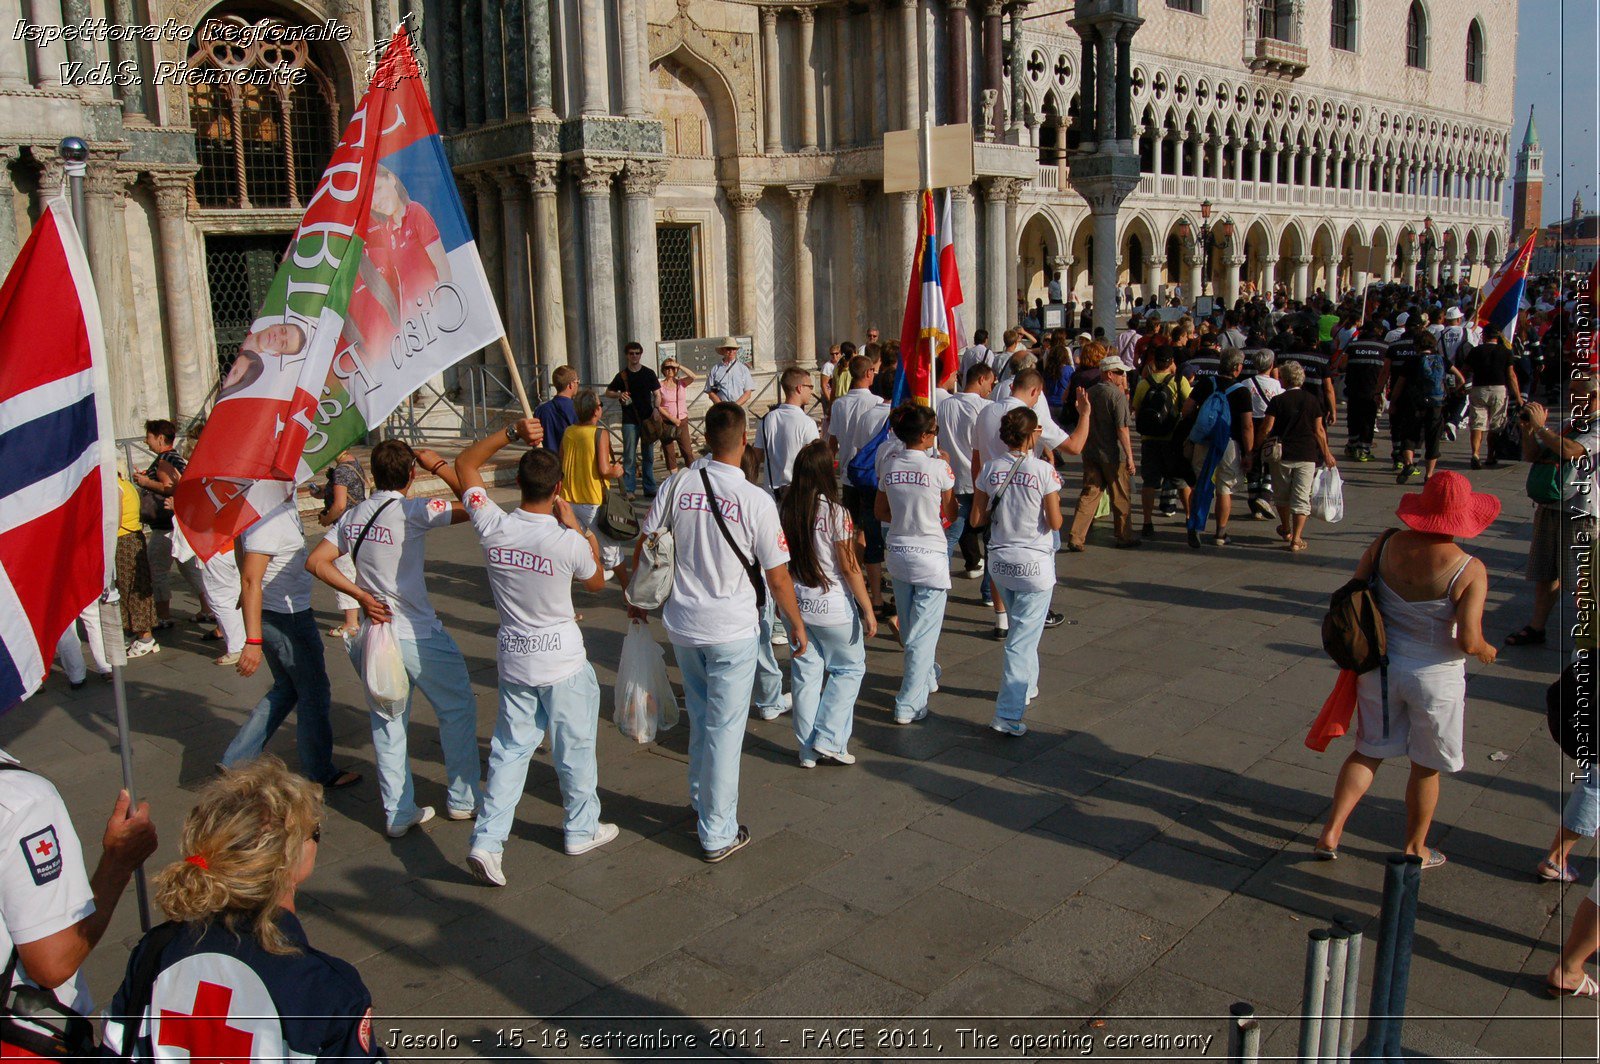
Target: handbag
[
  {"x": 651, "y": 583},
  {"x": 616, "y": 518},
  {"x": 1552, "y": 483},
  {"x": 1272, "y": 452}
]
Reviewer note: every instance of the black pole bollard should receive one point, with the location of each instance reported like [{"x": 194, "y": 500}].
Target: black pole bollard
[
  {"x": 1312, "y": 999},
  {"x": 1405, "y": 941},
  {"x": 1383, "y": 968}
]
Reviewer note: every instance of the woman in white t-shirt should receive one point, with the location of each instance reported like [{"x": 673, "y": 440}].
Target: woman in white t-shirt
[
  {"x": 916, "y": 498},
  {"x": 1019, "y": 497},
  {"x": 825, "y": 680}
]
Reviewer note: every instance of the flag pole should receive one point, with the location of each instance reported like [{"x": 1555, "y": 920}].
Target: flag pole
[
  {"x": 516, "y": 377},
  {"x": 925, "y": 90}
]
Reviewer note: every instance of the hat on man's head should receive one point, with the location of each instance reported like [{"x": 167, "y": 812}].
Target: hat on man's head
[
  {"x": 727, "y": 342},
  {"x": 1113, "y": 364},
  {"x": 1401, "y": 320},
  {"x": 1453, "y": 314},
  {"x": 1447, "y": 506}
]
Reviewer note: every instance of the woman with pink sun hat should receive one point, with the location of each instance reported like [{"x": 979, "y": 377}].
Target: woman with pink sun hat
[{"x": 1431, "y": 594}]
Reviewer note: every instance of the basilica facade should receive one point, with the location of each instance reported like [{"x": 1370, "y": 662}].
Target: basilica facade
[{"x": 669, "y": 169}]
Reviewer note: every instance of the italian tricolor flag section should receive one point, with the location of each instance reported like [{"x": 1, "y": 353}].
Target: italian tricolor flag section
[{"x": 381, "y": 289}]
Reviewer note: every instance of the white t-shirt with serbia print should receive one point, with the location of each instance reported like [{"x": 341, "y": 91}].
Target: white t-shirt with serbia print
[
  {"x": 835, "y": 606},
  {"x": 390, "y": 563},
  {"x": 713, "y": 601},
  {"x": 532, "y": 561},
  {"x": 915, "y": 549},
  {"x": 1021, "y": 548}
]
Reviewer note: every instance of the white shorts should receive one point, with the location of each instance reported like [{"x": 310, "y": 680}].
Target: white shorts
[
  {"x": 1427, "y": 704},
  {"x": 610, "y": 549},
  {"x": 344, "y": 564}
]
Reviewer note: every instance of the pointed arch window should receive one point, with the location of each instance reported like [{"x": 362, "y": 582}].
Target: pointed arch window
[
  {"x": 1342, "y": 26},
  {"x": 1475, "y": 52},
  {"x": 1417, "y": 36}
]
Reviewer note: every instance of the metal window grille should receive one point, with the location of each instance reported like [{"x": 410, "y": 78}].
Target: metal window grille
[
  {"x": 677, "y": 285},
  {"x": 239, "y": 272}
]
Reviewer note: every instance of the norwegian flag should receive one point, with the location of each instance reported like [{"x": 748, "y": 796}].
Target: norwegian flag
[
  {"x": 1502, "y": 295},
  {"x": 950, "y": 281},
  {"x": 59, "y": 500}
]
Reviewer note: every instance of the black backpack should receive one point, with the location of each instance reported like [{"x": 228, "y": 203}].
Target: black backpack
[{"x": 1158, "y": 410}]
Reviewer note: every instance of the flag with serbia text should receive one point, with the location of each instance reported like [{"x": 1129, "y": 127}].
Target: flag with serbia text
[
  {"x": 381, "y": 288},
  {"x": 59, "y": 500}
]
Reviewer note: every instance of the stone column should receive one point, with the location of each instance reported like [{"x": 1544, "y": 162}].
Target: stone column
[
  {"x": 744, "y": 200},
  {"x": 190, "y": 380},
  {"x": 486, "y": 193},
  {"x": 550, "y": 317},
  {"x": 14, "y": 60},
  {"x": 516, "y": 305},
  {"x": 592, "y": 49},
  {"x": 541, "y": 90},
  {"x": 1302, "y": 277},
  {"x": 879, "y": 67},
  {"x": 774, "y": 80},
  {"x": 1330, "y": 276},
  {"x": 47, "y": 56},
  {"x": 910, "y": 67},
  {"x": 1153, "y": 268},
  {"x": 807, "y": 17},
  {"x": 1106, "y": 105},
  {"x": 1124, "y": 92},
  {"x": 79, "y": 49},
  {"x": 1196, "y": 281},
  {"x": 993, "y": 64},
  {"x": 960, "y": 30},
  {"x": 1103, "y": 268},
  {"x": 514, "y": 21},
  {"x": 1013, "y": 256},
  {"x": 639, "y": 183},
  {"x": 1269, "y": 274},
  {"x": 600, "y": 347},
  {"x": 996, "y": 271},
  {"x": 966, "y": 249},
  {"x": 842, "y": 70},
  {"x": 805, "y": 314},
  {"x": 630, "y": 19},
  {"x": 1228, "y": 287},
  {"x": 907, "y": 203},
  {"x": 1061, "y": 270},
  {"x": 1018, "y": 74},
  {"x": 855, "y": 199},
  {"x": 1088, "y": 107},
  {"x": 132, "y": 92},
  {"x": 493, "y": 52},
  {"x": 9, "y": 244}
]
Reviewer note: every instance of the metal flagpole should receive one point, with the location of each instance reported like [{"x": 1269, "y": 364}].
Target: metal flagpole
[
  {"x": 75, "y": 155},
  {"x": 925, "y": 157}
]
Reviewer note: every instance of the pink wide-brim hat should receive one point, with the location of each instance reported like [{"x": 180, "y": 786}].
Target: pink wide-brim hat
[{"x": 1447, "y": 506}]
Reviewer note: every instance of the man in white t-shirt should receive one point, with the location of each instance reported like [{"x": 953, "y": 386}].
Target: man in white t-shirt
[
  {"x": 280, "y": 629},
  {"x": 786, "y": 428},
  {"x": 384, "y": 536},
  {"x": 52, "y": 912},
  {"x": 857, "y": 416},
  {"x": 725, "y": 535},
  {"x": 730, "y": 380},
  {"x": 979, "y": 354},
  {"x": 958, "y": 424},
  {"x": 547, "y": 686}
]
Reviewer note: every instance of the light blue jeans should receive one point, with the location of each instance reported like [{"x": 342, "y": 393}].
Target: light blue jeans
[
  {"x": 570, "y": 711},
  {"x": 435, "y": 665},
  {"x": 921, "y": 611},
  {"x": 291, "y": 645},
  {"x": 826, "y": 680},
  {"x": 716, "y": 689},
  {"x": 632, "y": 446},
  {"x": 769, "y": 676},
  {"x": 1582, "y": 815},
  {"x": 1019, "y": 674}
]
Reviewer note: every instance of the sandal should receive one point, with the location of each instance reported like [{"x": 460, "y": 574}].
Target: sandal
[
  {"x": 1326, "y": 853},
  {"x": 1297, "y": 545},
  {"x": 1527, "y": 635},
  {"x": 1551, "y": 872},
  {"x": 346, "y": 778},
  {"x": 211, "y": 636},
  {"x": 1435, "y": 859},
  {"x": 1586, "y": 988}
]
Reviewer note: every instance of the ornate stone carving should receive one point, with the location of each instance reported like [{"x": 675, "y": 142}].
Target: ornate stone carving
[
  {"x": 509, "y": 181},
  {"x": 730, "y": 56},
  {"x": 595, "y": 176},
  {"x": 803, "y": 13},
  {"x": 989, "y": 98},
  {"x": 802, "y": 196},
  {"x": 745, "y": 197},
  {"x": 854, "y": 193},
  {"x": 643, "y": 176},
  {"x": 172, "y": 192},
  {"x": 544, "y": 176},
  {"x": 998, "y": 189}
]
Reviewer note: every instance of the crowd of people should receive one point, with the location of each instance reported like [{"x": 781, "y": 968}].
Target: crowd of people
[{"x": 835, "y": 522}]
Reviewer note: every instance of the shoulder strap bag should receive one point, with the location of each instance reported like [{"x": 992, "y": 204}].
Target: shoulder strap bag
[
  {"x": 751, "y": 569},
  {"x": 651, "y": 583},
  {"x": 355, "y": 551},
  {"x": 1004, "y": 484}
]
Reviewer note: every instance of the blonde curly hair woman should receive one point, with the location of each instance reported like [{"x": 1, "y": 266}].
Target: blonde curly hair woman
[{"x": 233, "y": 974}]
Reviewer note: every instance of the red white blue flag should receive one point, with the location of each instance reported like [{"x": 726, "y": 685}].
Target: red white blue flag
[
  {"x": 59, "y": 500},
  {"x": 925, "y": 353},
  {"x": 950, "y": 281},
  {"x": 1502, "y": 295}
]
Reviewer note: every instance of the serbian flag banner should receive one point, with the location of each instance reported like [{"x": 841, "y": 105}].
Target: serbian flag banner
[
  {"x": 925, "y": 355},
  {"x": 381, "y": 288},
  {"x": 950, "y": 281},
  {"x": 59, "y": 500},
  {"x": 1501, "y": 300}
]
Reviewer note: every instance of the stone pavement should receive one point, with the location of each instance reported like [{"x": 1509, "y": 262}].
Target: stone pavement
[{"x": 1144, "y": 852}]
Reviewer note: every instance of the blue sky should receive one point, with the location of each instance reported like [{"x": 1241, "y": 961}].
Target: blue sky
[{"x": 1557, "y": 42}]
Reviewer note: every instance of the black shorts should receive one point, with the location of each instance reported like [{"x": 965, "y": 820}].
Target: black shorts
[
  {"x": 860, "y": 502},
  {"x": 1419, "y": 429},
  {"x": 1161, "y": 464}
]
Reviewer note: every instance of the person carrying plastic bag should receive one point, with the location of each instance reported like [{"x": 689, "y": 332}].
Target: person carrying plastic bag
[{"x": 644, "y": 703}]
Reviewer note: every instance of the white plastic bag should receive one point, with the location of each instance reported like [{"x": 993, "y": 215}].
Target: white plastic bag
[
  {"x": 1327, "y": 496},
  {"x": 644, "y": 701},
  {"x": 383, "y": 669}
]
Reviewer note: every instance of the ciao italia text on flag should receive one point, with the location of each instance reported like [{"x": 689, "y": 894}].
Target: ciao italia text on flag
[
  {"x": 926, "y": 356},
  {"x": 58, "y": 484},
  {"x": 381, "y": 288},
  {"x": 1502, "y": 294}
]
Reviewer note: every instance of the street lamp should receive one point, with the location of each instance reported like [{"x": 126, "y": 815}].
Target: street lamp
[
  {"x": 1208, "y": 243},
  {"x": 1427, "y": 248}
]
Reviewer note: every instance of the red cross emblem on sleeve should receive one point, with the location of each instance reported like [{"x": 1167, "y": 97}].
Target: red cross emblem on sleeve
[
  {"x": 205, "y": 1034},
  {"x": 45, "y": 848}
]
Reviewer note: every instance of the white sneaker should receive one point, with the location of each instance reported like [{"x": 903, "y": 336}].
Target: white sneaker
[
  {"x": 785, "y": 704},
  {"x": 460, "y": 814},
  {"x": 1033, "y": 692},
  {"x": 229, "y": 659},
  {"x": 486, "y": 867},
  {"x": 841, "y": 756},
  {"x": 423, "y": 815},
  {"x": 602, "y": 835},
  {"x": 780, "y": 632},
  {"x": 973, "y": 573},
  {"x": 808, "y": 759},
  {"x": 919, "y": 715},
  {"x": 1009, "y": 727},
  {"x": 141, "y": 647}
]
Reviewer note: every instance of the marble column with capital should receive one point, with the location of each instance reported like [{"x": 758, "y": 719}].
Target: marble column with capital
[
  {"x": 907, "y": 204},
  {"x": 487, "y": 194},
  {"x": 600, "y": 348},
  {"x": 80, "y": 48},
  {"x": 631, "y": 26},
  {"x": 910, "y": 67},
  {"x": 1019, "y": 96},
  {"x": 1013, "y": 258},
  {"x": 1106, "y": 119},
  {"x": 1301, "y": 286},
  {"x": 960, "y": 85},
  {"x": 48, "y": 54},
  {"x": 996, "y": 271},
  {"x": 772, "y": 75},
  {"x": 592, "y": 47},
  {"x": 805, "y": 311},
  {"x": 14, "y": 61},
  {"x": 541, "y": 87},
  {"x": 493, "y": 56},
  {"x": 843, "y": 86},
  {"x": 994, "y": 62},
  {"x": 191, "y": 381},
  {"x": 1124, "y": 89},
  {"x": 744, "y": 200},
  {"x": 9, "y": 244},
  {"x": 966, "y": 249},
  {"x": 855, "y": 199},
  {"x": 639, "y": 183},
  {"x": 131, "y": 90},
  {"x": 878, "y": 42},
  {"x": 807, "y": 18},
  {"x": 550, "y": 312},
  {"x": 517, "y": 304}
]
